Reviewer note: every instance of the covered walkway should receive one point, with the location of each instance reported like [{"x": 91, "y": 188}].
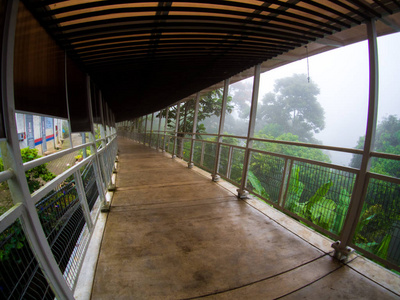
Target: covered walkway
[{"x": 172, "y": 233}]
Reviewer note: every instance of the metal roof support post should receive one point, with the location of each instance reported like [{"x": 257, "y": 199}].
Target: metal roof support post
[
  {"x": 196, "y": 113},
  {"x": 178, "y": 109},
  {"x": 342, "y": 250},
  {"x": 165, "y": 128},
  {"x": 98, "y": 172},
  {"x": 242, "y": 193},
  {"x": 159, "y": 129},
  {"x": 84, "y": 153},
  {"x": 12, "y": 160},
  {"x": 214, "y": 175},
  {"x": 151, "y": 129}
]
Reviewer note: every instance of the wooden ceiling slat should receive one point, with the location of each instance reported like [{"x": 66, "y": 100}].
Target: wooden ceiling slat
[
  {"x": 55, "y": 21},
  {"x": 186, "y": 45}
]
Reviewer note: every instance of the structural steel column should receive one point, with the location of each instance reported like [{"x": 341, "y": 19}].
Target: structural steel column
[
  {"x": 176, "y": 128},
  {"x": 357, "y": 200},
  {"x": 242, "y": 193},
  {"x": 12, "y": 160},
  {"x": 214, "y": 175},
  {"x": 100, "y": 182},
  {"x": 196, "y": 113}
]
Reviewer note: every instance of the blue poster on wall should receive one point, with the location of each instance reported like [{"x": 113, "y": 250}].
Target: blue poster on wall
[
  {"x": 30, "y": 138},
  {"x": 49, "y": 123}
]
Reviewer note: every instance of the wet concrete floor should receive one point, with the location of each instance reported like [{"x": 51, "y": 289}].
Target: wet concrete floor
[{"x": 174, "y": 234}]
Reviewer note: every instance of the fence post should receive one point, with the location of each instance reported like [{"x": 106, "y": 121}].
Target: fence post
[
  {"x": 242, "y": 193},
  {"x": 159, "y": 129},
  {"x": 178, "y": 109},
  {"x": 82, "y": 199},
  {"x": 196, "y": 112},
  {"x": 214, "y": 175},
  {"x": 342, "y": 250},
  {"x": 151, "y": 129}
]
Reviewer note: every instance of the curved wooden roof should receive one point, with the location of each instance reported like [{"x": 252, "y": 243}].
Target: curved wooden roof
[{"x": 145, "y": 55}]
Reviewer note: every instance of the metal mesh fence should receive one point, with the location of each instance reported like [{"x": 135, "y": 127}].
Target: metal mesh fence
[
  {"x": 320, "y": 194},
  {"x": 89, "y": 183},
  {"x": 265, "y": 175},
  {"x": 186, "y": 145},
  {"x": 209, "y": 156},
  {"x": 197, "y": 159},
  {"x": 20, "y": 274},
  {"x": 236, "y": 166},
  {"x": 378, "y": 229},
  {"x": 223, "y": 160},
  {"x": 62, "y": 220}
]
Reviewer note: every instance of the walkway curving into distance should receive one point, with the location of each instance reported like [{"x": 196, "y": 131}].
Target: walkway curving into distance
[{"x": 172, "y": 233}]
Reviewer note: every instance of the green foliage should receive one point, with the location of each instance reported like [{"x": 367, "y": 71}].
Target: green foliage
[
  {"x": 257, "y": 187},
  {"x": 14, "y": 239},
  {"x": 342, "y": 207},
  {"x": 37, "y": 175},
  {"x": 387, "y": 140},
  {"x": 210, "y": 104}
]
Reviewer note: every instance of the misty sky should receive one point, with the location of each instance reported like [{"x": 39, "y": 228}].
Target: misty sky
[{"x": 342, "y": 76}]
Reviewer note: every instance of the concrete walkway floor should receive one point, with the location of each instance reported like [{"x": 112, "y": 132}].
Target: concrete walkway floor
[{"x": 172, "y": 233}]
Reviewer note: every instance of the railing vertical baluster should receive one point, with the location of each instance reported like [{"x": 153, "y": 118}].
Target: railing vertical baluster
[
  {"x": 82, "y": 199},
  {"x": 151, "y": 130},
  {"x": 214, "y": 175},
  {"x": 159, "y": 129},
  {"x": 285, "y": 182},
  {"x": 178, "y": 109},
  {"x": 194, "y": 130},
  {"x": 229, "y": 163},
  {"x": 202, "y": 153}
]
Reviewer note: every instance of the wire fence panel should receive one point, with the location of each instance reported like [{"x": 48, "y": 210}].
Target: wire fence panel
[
  {"x": 62, "y": 220},
  {"x": 186, "y": 146},
  {"x": 236, "y": 165},
  {"x": 378, "y": 229},
  {"x": 223, "y": 160},
  {"x": 209, "y": 156},
  {"x": 265, "y": 175},
  {"x": 320, "y": 195},
  {"x": 89, "y": 183},
  {"x": 197, "y": 153},
  {"x": 20, "y": 274}
]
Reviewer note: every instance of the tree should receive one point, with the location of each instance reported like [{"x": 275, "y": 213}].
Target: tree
[
  {"x": 387, "y": 140},
  {"x": 210, "y": 104},
  {"x": 292, "y": 108}
]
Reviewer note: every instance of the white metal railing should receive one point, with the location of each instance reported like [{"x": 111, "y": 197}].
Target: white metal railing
[
  {"x": 68, "y": 253},
  {"x": 346, "y": 204}
]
